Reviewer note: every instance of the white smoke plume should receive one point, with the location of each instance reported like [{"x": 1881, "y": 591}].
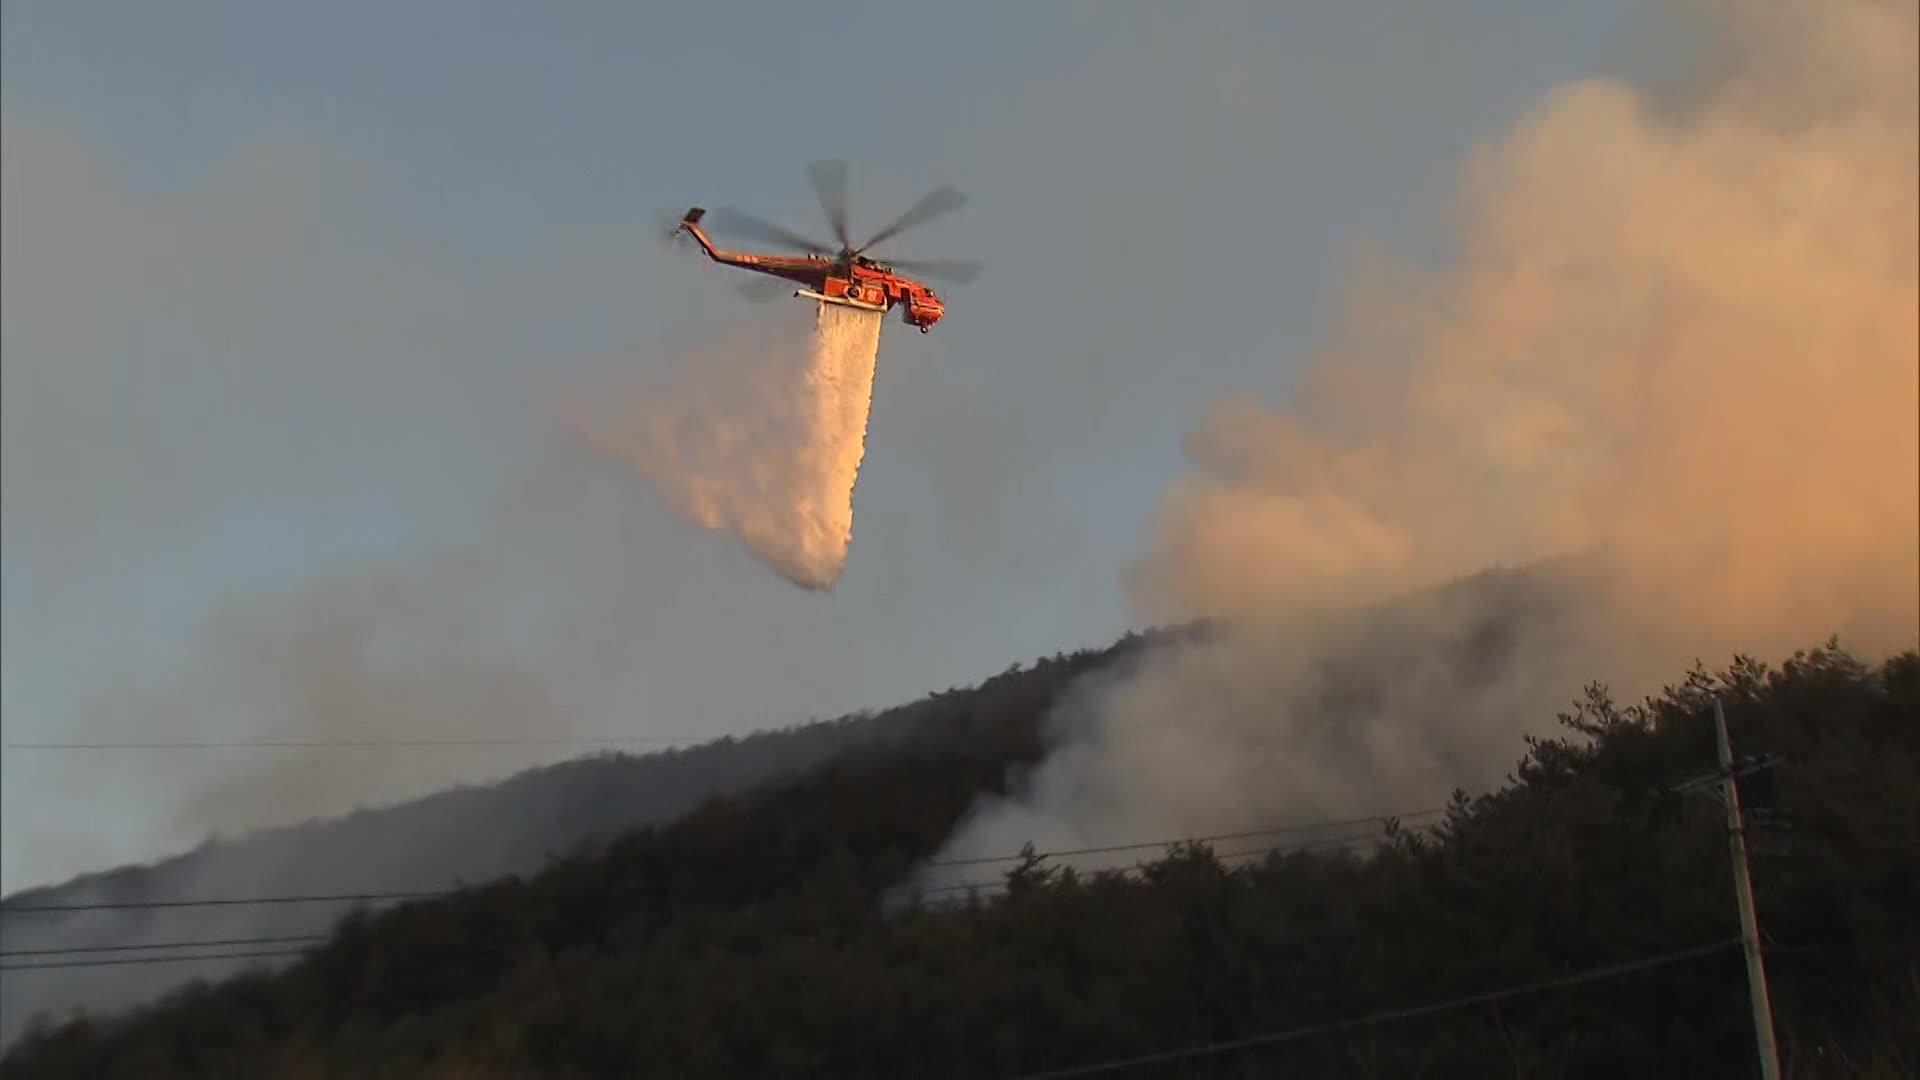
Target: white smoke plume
[
  {"x": 1675, "y": 350},
  {"x": 764, "y": 441}
]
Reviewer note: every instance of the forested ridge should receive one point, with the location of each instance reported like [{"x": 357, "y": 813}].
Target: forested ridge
[
  {"x": 749, "y": 938},
  {"x": 422, "y": 845}
]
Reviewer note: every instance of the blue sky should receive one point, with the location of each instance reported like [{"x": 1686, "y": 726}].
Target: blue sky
[{"x": 285, "y": 284}]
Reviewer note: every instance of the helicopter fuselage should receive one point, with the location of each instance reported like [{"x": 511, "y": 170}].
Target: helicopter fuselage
[{"x": 855, "y": 282}]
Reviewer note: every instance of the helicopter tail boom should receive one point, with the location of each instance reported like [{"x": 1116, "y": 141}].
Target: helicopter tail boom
[{"x": 690, "y": 224}]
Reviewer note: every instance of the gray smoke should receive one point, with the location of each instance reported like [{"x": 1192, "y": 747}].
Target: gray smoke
[{"x": 1675, "y": 345}]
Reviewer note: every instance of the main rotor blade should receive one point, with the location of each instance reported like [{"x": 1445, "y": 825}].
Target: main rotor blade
[
  {"x": 727, "y": 220},
  {"x": 829, "y": 180},
  {"x": 931, "y": 205},
  {"x": 959, "y": 271}
]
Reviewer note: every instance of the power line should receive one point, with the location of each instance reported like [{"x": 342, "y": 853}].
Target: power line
[
  {"x": 319, "y": 938},
  {"x": 1271, "y": 1038},
  {"x": 1897, "y": 829},
  {"x": 1310, "y": 827},
  {"x": 202, "y": 943},
  {"x": 338, "y": 744},
  {"x": 224, "y": 901},
  {"x": 177, "y": 958},
  {"x": 1278, "y": 849},
  {"x": 429, "y": 894}
]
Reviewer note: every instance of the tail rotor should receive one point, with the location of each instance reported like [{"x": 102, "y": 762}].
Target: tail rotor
[{"x": 667, "y": 230}]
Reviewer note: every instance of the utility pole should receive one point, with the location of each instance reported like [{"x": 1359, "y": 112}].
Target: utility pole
[{"x": 1743, "y": 889}]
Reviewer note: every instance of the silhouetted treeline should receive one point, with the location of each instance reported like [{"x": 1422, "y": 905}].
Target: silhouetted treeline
[
  {"x": 463, "y": 836},
  {"x": 747, "y": 939}
]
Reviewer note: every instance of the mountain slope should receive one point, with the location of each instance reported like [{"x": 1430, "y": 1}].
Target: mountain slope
[
  {"x": 745, "y": 938},
  {"x": 466, "y": 835},
  {"x": 753, "y": 936}
]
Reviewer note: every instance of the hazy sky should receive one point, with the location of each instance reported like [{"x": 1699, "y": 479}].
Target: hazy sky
[{"x": 286, "y": 287}]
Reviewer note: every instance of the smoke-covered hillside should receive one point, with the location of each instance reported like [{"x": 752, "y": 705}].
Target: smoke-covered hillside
[
  {"x": 1587, "y": 894},
  {"x": 517, "y": 827},
  {"x": 467, "y": 835}
]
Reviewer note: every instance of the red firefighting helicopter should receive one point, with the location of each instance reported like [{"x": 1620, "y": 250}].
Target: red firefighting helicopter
[{"x": 847, "y": 276}]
